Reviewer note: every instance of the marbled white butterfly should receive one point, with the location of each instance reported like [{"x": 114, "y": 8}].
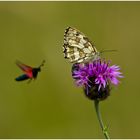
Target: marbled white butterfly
[{"x": 77, "y": 47}]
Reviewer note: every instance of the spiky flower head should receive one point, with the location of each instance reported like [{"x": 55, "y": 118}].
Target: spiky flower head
[{"x": 96, "y": 78}]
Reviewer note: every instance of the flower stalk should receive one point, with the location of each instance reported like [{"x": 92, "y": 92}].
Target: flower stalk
[{"x": 104, "y": 128}]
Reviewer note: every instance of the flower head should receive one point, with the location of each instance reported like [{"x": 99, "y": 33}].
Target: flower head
[{"x": 96, "y": 77}]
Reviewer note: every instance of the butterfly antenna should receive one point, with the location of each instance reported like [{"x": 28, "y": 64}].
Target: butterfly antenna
[
  {"x": 42, "y": 64},
  {"x": 108, "y": 51}
]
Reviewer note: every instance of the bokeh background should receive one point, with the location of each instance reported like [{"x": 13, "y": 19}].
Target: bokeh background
[{"x": 52, "y": 106}]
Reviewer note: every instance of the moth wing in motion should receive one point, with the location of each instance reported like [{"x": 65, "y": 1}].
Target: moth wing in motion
[
  {"x": 25, "y": 68},
  {"x": 22, "y": 77}
]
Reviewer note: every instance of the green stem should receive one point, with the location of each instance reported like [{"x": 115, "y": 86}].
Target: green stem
[{"x": 104, "y": 129}]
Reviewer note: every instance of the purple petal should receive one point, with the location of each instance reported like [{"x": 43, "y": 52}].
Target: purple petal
[{"x": 114, "y": 81}]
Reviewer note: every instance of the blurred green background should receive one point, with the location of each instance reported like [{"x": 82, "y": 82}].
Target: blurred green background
[{"x": 52, "y": 106}]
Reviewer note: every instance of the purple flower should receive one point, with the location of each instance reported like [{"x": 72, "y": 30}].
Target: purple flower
[
  {"x": 96, "y": 77},
  {"x": 81, "y": 75}
]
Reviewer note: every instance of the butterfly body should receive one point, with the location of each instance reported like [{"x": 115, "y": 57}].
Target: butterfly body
[
  {"x": 78, "y": 48},
  {"x": 29, "y": 72}
]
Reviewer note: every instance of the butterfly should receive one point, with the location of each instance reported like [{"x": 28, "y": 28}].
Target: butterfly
[
  {"x": 78, "y": 48},
  {"x": 29, "y": 72}
]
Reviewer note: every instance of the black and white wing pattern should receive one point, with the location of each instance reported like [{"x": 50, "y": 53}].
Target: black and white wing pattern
[{"x": 77, "y": 47}]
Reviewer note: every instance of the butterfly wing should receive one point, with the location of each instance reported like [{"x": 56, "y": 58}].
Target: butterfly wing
[
  {"x": 77, "y": 47},
  {"x": 22, "y": 77},
  {"x": 25, "y": 68}
]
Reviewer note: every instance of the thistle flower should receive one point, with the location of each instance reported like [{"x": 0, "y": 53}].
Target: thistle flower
[{"x": 96, "y": 78}]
